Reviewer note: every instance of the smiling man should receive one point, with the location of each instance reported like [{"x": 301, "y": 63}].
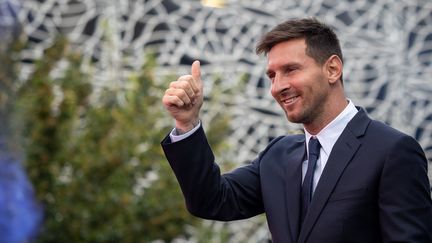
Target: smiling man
[
  {"x": 347, "y": 179},
  {"x": 309, "y": 92}
]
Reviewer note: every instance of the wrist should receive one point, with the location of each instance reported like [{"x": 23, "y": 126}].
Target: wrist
[{"x": 182, "y": 128}]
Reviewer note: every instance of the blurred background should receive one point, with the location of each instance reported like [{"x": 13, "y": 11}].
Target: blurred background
[{"x": 80, "y": 102}]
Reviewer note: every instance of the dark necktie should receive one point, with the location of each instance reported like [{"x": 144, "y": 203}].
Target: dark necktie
[{"x": 314, "y": 150}]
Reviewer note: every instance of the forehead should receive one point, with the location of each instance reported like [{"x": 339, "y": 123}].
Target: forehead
[
  {"x": 287, "y": 51},
  {"x": 291, "y": 47}
]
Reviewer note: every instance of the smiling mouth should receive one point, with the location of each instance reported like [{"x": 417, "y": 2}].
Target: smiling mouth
[{"x": 290, "y": 100}]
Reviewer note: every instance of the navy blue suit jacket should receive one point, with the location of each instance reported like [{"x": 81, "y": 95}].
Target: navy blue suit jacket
[{"x": 374, "y": 187}]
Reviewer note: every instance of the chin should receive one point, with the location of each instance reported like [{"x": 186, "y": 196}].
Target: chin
[
  {"x": 292, "y": 118},
  {"x": 297, "y": 117}
]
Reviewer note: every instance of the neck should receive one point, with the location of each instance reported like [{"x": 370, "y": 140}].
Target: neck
[{"x": 327, "y": 116}]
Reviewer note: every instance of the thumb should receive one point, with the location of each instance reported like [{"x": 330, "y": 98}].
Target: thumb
[{"x": 196, "y": 71}]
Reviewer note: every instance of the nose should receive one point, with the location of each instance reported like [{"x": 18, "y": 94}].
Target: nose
[{"x": 278, "y": 85}]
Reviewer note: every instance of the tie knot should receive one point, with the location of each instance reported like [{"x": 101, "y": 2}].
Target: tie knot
[{"x": 314, "y": 146}]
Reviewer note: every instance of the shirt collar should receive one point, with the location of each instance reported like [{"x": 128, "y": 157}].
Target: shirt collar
[{"x": 330, "y": 133}]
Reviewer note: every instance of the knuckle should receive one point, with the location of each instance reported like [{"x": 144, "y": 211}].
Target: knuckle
[
  {"x": 183, "y": 92},
  {"x": 183, "y": 84},
  {"x": 185, "y": 78},
  {"x": 166, "y": 101}
]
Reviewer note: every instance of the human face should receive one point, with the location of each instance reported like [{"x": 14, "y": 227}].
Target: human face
[{"x": 298, "y": 83}]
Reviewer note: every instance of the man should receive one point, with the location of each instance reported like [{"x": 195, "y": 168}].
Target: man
[{"x": 348, "y": 179}]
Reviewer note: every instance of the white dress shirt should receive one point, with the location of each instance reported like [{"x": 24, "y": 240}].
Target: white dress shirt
[
  {"x": 327, "y": 138},
  {"x": 176, "y": 137}
]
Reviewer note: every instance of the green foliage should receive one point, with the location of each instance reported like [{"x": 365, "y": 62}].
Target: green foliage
[
  {"x": 95, "y": 159},
  {"x": 8, "y": 76}
]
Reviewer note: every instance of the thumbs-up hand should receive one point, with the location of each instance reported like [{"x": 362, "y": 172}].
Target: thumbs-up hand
[{"x": 184, "y": 98}]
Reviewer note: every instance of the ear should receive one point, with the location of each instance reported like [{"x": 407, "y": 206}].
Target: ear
[{"x": 334, "y": 68}]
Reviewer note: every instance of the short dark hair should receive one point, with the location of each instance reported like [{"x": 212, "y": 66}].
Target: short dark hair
[{"x": 321, "y": 40}]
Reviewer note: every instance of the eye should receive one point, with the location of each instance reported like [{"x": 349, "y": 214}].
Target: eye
[
  {"x": 271, "y": 75},
  {"x": 290, "y": 69}
]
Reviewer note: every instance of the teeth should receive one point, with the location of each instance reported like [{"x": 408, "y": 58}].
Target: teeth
[{"x": 287, "y": 101}]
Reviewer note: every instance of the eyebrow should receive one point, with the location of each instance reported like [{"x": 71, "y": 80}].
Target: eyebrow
[{"x": 285, "y": 67}]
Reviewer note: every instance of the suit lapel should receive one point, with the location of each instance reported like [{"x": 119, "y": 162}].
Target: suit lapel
[
  {"x": 342, "y": 153},
  {"x": 293, "y": 172}
]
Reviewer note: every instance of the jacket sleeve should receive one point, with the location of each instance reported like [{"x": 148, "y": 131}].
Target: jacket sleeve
[
  {"x": 208, "y": 194},
  {"x": 404, "y": 194}
]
